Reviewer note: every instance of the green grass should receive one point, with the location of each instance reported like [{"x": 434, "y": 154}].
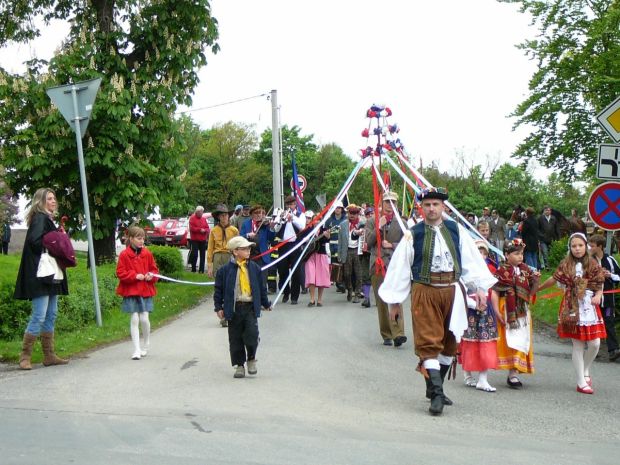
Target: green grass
[
  {"x": 171, "y": 300},
  {"x": 546, "y": 309}
]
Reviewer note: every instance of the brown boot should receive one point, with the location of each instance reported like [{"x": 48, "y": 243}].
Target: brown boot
[
  {"x": 27, "y": 344},
  {"x": 49, "y": 357}
]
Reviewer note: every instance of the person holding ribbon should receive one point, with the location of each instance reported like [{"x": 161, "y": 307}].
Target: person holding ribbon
[
  {"x": 382, "y": 237},
  {"x": 580, "y": 319},
  {"x": 259, "y": 230},
  {"x": 436, "y": 260},
  {"x": 136, "y": 270}
]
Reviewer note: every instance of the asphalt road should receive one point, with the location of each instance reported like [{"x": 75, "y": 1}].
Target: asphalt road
[{"x": 327, "y": 392}]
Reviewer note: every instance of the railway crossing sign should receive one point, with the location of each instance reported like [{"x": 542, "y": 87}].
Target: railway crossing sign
[{"x": 604, "y": 206}]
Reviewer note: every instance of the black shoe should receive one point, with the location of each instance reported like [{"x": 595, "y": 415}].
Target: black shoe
[
  {"x": 341, "y": 290},
  {"x": 356, "y": 300},
  {"x": 399, "y": 340},
  {"x": 349, "y": 296},
  {"x": 387, "y": 342},
  {"x": 366, "y": 303},
  {"x": 293, "y": 302},
  {"x": 514, "y": 384},
  {"x": 285, "y": 298},
  {"x": 614, "y": 355},
  {"x": 311, "y": 304}
]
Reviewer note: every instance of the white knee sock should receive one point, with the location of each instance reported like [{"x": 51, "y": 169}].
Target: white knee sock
[
  {"x": 578, "y": 363},
  {"x": 445, "y": 359},
  {"x": 431, "y": 364},
  {"x": 591, "y": 352},
  {"x": 135, "y": 332},
  {"x": 146, "y": 331}
]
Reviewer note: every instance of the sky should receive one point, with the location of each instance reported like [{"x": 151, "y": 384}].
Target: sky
[{"x": 449, "y": 70}]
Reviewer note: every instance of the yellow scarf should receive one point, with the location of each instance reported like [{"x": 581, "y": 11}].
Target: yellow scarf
[{"x": 244, "y": 278}]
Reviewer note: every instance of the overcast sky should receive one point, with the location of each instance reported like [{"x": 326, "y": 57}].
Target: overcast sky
[{"x": 449, "y": 70}]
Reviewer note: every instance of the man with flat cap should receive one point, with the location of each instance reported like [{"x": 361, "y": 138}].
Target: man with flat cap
[{"x": 436, "y": 260}]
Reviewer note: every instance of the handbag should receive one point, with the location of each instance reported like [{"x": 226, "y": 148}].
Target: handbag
[{"x": 48, "y": 271}]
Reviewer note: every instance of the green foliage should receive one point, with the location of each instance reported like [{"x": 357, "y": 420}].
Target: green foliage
[
  {"x": 169, "y": 260},
  {"x": 557, "y": 252},
  {"x": 148, "y": 55},
  {"x": 578, "y": 55}
]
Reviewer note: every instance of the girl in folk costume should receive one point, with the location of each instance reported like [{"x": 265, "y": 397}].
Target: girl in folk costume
[
  {"x": 580, "y": 318},
  {"x": 479, "y": 342},
  {"x": 516, "y": 283}
]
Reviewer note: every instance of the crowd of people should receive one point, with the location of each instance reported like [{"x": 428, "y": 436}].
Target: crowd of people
[{"x": 469, "y": 303}]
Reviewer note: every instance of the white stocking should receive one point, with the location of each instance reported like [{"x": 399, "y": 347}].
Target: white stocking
[
  {"x": 135, "y": 332},
  {"x": 483, "y": 382},
  {"x": 578, "y": 363},
  {"x": 146, "y": 331},
  {"x": 590, "y": 355}
]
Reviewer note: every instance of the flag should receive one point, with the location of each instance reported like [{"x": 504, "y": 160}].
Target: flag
[{"x": 299, "y": 196}]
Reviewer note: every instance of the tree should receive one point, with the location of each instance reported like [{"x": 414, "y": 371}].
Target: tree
[
  {"x": 578, "y": 56},
  {"x": 148, "y": 54}
]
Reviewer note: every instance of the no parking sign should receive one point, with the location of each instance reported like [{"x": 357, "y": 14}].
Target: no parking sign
[{"x": 604, "y": 206}]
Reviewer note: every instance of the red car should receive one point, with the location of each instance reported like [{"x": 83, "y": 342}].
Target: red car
[{"x": 170, "y": 231}]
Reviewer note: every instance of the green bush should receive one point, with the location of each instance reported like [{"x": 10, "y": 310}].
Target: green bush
[
  {"x": 557, "y": 252},
  {"x": 169, "y": 260},
  {"x": 14, "y": 314}
]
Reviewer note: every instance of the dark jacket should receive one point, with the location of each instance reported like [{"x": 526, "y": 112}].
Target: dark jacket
[
  {"x": 549, "y": 229},
  {"x": 262, "y": 239},
  {"x": 611, "y": 265},
  {"x": 530, "y": 234},
  {"x": 28, "y": 285},
  {"x": 6, "y": 232},
  {"x": 226, "y": 283}
]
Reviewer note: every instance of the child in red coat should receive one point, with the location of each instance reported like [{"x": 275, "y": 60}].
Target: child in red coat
[{"x": 135, "y": 269}]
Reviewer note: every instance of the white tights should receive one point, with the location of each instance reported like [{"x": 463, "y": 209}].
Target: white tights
[
  {"x": 583, "y": 358},
  {"x": 137, "y": 320}
]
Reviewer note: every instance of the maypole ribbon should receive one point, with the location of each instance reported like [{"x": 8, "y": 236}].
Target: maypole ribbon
[{"x": 180, "y": 281}]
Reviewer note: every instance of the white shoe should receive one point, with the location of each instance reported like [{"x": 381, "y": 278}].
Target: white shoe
[
  {"x": 144, "y": 350},
  {"x": 239, "y": 371},
  {"x": 136, "y": 355},
  {"x": 252, "y": 370}
]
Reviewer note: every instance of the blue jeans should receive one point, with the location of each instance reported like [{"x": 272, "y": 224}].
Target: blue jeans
[
  {"x": 531, "y": 259},
  {"x": 43, "y": 316}
]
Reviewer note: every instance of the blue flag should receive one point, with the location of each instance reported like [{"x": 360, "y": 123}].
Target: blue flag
[{"x": 299, "y": 196}]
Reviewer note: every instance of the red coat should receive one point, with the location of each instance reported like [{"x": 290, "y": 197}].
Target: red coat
[
  {"x": 195, "y": 225},
  {"x": 131, "y": 264}
]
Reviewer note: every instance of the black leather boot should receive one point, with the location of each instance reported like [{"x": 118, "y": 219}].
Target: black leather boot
[
  {"x": 436, "y": 387},
  {"x": 443, "y": 370}
]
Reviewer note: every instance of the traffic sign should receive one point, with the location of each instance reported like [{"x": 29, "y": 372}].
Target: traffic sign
[
  {"x": 604, "y": 206},
  {"x": 301, "y": 180},
  {"x": 609, "y": 118},
  {"x": 608, "y": 166}
]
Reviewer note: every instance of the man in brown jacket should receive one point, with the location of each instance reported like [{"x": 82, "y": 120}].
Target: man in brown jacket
[{"x": 388, "y": 237}]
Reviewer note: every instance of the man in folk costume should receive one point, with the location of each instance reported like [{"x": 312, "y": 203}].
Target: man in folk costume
[
  {"x": 437, "y": 260},
  {"x": 383, "y": 243},
  {"x": 350, "y": 231}
]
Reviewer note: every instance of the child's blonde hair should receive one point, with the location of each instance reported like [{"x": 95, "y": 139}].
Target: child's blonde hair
[{"x": 135, "y": 231}]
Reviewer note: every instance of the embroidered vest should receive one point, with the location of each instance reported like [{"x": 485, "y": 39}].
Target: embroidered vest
[{"x": 424, "y": 245}]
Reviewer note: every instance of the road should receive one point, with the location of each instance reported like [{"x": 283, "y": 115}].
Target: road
[{"x": 327, "y": 392}]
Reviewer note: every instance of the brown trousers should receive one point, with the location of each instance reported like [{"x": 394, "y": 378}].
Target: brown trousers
[
  {"x": 431, "y": 307},
  {"x": 389, "y": 329}
]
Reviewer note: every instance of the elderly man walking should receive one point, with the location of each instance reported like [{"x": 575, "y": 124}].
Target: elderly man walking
[{"x": 198, "y": 236}]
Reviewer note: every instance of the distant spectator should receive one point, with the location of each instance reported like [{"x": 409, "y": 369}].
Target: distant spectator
[
  {"x": 235, "y": 214},
  {"x": 549, "y": 232},
  {"x": 6, "y": 237},
  {"x": 198, "y": 233},
  {"x": 238, "y": 220},
  {"x": 486, "y": 215},
  {"x": 498, "y": 230},
  {"x": 576, "y": 223},
  {"x": 511, "y": 231},
  {"x": 530, "y": 234}
]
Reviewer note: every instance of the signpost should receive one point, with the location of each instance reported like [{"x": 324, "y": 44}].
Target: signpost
[
  {"x": 75, "y": 102},
  {"x": 608, "y": 166},
  {"x": 609, "y": 119},
  {"x": 604, "y": 206},
  {"x": 303, "y": 183}
]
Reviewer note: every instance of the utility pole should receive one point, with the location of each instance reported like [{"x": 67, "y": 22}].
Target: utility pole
[{"x": 276, "y": 155}]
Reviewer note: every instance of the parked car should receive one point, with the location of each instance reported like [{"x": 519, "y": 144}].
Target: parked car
[{"x": 170, "y": 231}]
